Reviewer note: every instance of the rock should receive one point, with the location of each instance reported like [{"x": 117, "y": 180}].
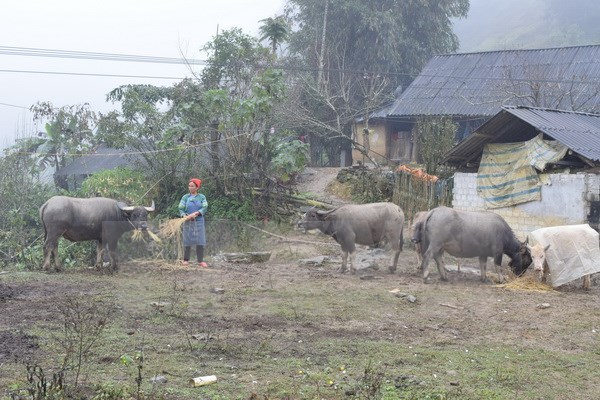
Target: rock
[
  {"x": 217, "y": 290},
  {"x": 315, "y": 261},
  {"x": 159, "y": 379},
  {"x": 249, "y": 257},
  {"x": 541, "y": 306}
]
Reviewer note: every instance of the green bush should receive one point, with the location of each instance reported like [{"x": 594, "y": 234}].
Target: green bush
[
  {"x": 122, "y": 183},
  {"x": 230, "y": 208},
  {"x": 290, "y": 159}
]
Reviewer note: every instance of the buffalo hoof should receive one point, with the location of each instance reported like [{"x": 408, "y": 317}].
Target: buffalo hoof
[
  {"x": 426, "y": 280},
  {"x": 391, "y": 270}
]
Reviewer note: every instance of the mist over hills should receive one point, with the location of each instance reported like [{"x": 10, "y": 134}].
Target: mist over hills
[{"x": 528, "y": 24}]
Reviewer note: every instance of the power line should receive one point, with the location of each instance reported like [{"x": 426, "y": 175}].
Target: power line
[
  {"x": 90, "y": 74},
  {"x": 13, "y": 105},
  {"x": 34, "y": 52}
]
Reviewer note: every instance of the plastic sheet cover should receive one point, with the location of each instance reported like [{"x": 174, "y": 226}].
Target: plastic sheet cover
[{"x": 573, "y": 252}]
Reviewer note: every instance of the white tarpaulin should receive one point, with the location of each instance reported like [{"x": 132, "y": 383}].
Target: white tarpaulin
[{"x": 573, "y": 252}]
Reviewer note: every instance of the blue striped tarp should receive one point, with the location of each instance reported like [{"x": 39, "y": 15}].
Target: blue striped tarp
[{"x": 507, "y": 173}]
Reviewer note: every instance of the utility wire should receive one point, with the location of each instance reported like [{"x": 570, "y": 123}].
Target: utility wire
[
  {"x": 33, "y": 52},
  {"x": 89, "y": 74},
  {"x": 36, "y": 52}
]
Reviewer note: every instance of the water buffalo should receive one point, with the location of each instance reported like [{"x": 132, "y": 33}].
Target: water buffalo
[
  {"x": 367, "y": 224},
  {"x": 78, "y": 220},
  {"x": 563, "y": 254},
  {"x": 467, "y": 234}
]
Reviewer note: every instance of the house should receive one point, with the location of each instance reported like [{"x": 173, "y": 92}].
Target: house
[
  {"x": 102, "y": 158},
  {"x": 471, "y": 88},
  {"x": 563, "y": 190}
]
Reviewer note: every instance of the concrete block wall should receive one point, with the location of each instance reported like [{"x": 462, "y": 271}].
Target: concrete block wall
[{"x": 565, "y": 201}]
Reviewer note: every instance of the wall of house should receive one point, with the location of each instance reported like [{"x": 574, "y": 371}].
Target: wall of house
[
  {"x": 377, "y": 142},
  {"x": 565, "y": 201}
]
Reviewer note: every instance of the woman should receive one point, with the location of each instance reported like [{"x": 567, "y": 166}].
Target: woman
[{"x": 192, "y": 207}]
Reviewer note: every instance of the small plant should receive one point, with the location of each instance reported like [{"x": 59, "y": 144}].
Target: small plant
[
  {"x": 138, "y": 361},
  {"x": 83, "y": 321},
  {"x": 40, "y": 387}
]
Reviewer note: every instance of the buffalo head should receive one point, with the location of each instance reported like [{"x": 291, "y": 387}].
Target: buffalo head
[
  {"x": 137, "y": 216},
  {"x": 538, "y": 257},
  {"x": 312, "y": 219},
  {"x": 524, "y": 256}
]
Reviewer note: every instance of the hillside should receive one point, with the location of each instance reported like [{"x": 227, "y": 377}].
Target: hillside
[{"x": 528, "y": 24}]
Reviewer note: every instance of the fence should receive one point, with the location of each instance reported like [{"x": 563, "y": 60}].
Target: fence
[{"x": 413, "y": 193}]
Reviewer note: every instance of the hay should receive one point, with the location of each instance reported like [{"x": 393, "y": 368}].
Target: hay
[
  {"x": 138, "y": 235},
  {"x": 528, "y": 283},
  {"x": 171, "y": 231}
]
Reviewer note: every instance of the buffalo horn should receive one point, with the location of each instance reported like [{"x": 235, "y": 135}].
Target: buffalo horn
[
  {"x": 151, "y": 208},
  {"x": 124, "y": 207}
]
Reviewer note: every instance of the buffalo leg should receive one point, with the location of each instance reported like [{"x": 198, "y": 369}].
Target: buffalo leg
[
  {"x": 112, "y": 253},
  {"x": 395, "y": 262},
  {"x": 483, "y": 268},
  {"x": 48, "y": 249},
  {"x": 353, "y": 262},
  {"x": 425, "y": 265},
  {"x": 99, "y": 254},
  {"x": 440, "y": 265},
  {"x": 587, "y": 282},
  {"x": 344, "y": 261},
  {"x": 51, "y": 251},
  {"x": 57, "y": 262}
]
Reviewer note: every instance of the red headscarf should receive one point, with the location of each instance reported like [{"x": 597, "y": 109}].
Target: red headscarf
[{"x": 196, "y": 182}]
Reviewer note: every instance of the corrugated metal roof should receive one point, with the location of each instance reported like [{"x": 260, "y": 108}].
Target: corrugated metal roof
[
  {"x": 580, "y": 132},
  {"x": 477, "y": 84},
  {"x": 101, "y": 159}
]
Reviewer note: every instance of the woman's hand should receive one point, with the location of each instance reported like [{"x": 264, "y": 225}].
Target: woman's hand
[{"x": 193, "y": 215}]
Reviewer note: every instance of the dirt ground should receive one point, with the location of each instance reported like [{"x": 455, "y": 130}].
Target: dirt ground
[{"x": 295, "y": 308}]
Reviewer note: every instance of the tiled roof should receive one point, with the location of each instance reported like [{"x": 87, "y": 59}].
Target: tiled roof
[
  {"x": 101, "y": 159},
  {"x": 477, "y": 84}
]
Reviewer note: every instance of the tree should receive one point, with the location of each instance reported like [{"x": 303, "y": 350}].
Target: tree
[
  {"x": 21, "y": 195},
  {"x": 339, "y": 42},
  {"x": 217, "y": 125},
  {"x": 69, "y": 132},
  {"x": 276, "y": 30}
]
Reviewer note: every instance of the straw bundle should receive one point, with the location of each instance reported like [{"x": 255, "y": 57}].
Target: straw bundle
[
  {"x": 139, "y": 235},
  {"x": 529, "y": 283},
  {"x": 171, "y": 230}
]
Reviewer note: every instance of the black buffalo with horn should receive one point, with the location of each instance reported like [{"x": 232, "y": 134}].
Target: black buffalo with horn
[{"x": 78, "y": 220}]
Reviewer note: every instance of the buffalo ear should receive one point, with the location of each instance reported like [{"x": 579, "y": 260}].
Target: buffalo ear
[{"x": 124, "y": 207}]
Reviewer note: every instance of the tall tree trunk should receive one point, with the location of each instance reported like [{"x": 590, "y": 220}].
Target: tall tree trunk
[{"x": 321, "y": 65}]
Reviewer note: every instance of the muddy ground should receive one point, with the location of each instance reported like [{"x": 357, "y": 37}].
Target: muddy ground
[{"x": 295, "y": 328}]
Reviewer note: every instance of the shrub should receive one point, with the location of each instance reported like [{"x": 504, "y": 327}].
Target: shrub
[{"x": 122, "y": 183}]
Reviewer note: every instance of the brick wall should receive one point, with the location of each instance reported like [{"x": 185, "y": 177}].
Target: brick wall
[{"x": 565, "y": 201}]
